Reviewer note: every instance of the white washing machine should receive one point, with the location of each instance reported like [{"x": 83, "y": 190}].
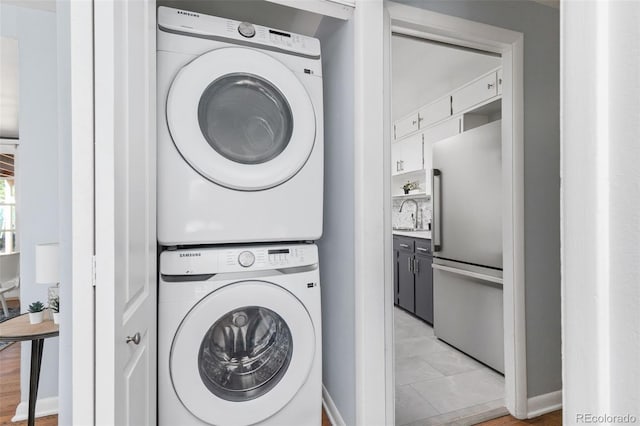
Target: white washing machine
[
  {"x": 239, "y": 336},
  {"x": 240, "y": 137}
]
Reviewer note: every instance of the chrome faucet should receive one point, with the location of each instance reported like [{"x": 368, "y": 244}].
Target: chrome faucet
[{"x": 414, "y": 217}]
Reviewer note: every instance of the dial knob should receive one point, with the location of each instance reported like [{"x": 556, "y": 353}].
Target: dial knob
[
  {"x": 246, "y": 259},
  {"x": 246, "y": 30}
]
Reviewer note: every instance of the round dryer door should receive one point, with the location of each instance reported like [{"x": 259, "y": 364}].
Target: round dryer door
[
  {"x": 242, "y": 353},
  {"x": 241, "y": 119}
]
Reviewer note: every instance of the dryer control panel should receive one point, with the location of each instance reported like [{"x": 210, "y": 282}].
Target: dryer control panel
[
  {"x": 213, "y": 27},
  {"x": 217, "y": 260}
]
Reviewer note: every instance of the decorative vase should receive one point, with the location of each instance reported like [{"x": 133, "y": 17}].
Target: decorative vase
[
  {"x": 36, "y": 317},
  {"x": 56, "y": 315},
  {"x": 406, "y": 191}
]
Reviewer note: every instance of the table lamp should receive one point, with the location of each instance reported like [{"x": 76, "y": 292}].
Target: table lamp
[{"x": 47, "y": 268}]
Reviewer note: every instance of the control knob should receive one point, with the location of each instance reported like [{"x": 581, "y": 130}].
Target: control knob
[
  {"x": 246, "y": 259},
  {"x": 246, "y": 30}
]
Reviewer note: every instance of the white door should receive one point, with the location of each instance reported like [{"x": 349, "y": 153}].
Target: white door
[
  {"x": 125, "y": 339},
  {"x": 241, "y": 118}
]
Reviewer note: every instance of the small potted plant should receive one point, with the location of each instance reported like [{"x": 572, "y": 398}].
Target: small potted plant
[
  {"x": 55, "y": 308},
  {"x": 409, "y": 186},
  {"x": 36, "y": 312}
]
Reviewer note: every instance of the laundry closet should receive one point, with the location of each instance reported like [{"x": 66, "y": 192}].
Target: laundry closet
[{"x": 279, "y": 237}]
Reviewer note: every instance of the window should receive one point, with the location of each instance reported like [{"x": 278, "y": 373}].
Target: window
[{"x": 7, "y": 204}]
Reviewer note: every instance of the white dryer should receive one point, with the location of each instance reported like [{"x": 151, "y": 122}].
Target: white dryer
[
  {"x": 240, "y": 132},
  {"x": 239, "y": 336}
]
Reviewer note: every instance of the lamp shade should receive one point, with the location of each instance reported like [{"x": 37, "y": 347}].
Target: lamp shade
[{"x": 47, "y": 263}]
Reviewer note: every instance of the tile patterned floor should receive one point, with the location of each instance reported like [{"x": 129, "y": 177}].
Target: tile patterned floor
[{"x": 436, "y": 384}]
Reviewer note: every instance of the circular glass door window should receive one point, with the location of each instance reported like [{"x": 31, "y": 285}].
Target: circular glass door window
[
  {"x": 245, "y": 353},
  {"x": 245, "y": 118}
]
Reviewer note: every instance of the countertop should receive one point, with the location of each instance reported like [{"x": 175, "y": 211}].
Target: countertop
[{"x": 414, "y": 234}]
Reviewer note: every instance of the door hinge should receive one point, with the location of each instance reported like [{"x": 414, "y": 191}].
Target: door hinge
[{"x": 93, "y": 270}]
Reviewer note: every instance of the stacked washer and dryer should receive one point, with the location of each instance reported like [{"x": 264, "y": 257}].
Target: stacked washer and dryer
[{"x": 240, "y": 190}]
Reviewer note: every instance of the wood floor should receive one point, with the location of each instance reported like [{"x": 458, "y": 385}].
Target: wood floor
[
  {"x": 10, "y": 388},
  {"x": 551, "y": 419}
]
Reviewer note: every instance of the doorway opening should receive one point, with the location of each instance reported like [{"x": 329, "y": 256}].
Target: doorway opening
[
  {"x": 472, "y": 322},
  {"x": 446, "y": 107}
]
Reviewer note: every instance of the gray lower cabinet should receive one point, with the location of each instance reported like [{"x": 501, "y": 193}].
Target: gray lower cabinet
[
  {"x": 413, "y": 280},
  {"x": 423, "y": 274}
]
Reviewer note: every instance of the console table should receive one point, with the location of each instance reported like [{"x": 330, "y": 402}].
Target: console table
[{"x": 19, "y": 329}]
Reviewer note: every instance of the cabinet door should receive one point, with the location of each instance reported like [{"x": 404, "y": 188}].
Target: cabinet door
[
  {"x": 395, "y": 277},
  {"x": 396, "y": 250},
  {"x": 423, "y": 286},
  {"x": 476, "y": 92},
  {"x": 500, "y": 81},
  {"x": 405, "y": 281},
  {"x": 406, "y": 126},
  {"x": 396, "y": 158},
  {"x": 407, "y": 155},
  {"x": 434, "y": 112}
]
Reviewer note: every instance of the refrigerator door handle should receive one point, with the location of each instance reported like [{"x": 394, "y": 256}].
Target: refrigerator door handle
[
  {"x": 437, "y": 209},
  {"x": 470, "y": 274}
]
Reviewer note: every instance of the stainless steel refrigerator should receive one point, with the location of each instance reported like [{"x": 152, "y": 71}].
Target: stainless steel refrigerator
[{"x": 467, "y": 243}]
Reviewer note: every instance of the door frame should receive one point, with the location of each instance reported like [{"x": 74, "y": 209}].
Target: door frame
[
  {"x": 80, "y": 50},
  {"x": 373, "y": 244}
]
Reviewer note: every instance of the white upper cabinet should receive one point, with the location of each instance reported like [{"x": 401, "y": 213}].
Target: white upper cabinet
[
  {"x": 434, "y": 112},
  {"x": 407, "y": 155},
  {"x": 474, "y": 93},
  {"x": 441, "y": 131},
  {"x": 406, "y": 126},
  {"x": 499, "y": 72}
]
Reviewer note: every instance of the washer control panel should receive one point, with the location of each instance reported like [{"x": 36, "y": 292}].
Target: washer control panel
[{"x": 217, "y": 260}]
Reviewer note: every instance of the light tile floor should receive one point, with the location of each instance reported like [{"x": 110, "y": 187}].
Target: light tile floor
[{"x": 437, "y": 384}]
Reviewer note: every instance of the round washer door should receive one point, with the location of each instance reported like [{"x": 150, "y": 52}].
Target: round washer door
[
  {"x": 241, "y": 118},
  {"x": 242, "y": 353}
]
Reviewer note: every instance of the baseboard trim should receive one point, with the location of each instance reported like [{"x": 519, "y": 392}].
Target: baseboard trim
[
  {"x": 44, "y": 407},
  {"x": 330, "y": 407},
  {"x": 543, "y": 404}
]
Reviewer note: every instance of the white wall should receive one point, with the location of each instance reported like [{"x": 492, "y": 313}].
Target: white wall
[
  {"x": 422, "y": 72},
  {"x": 601, "y": 209},
  {"x": 336, "y": 248},
  {"x": 37, "y": 169},
  {"x": 540, "y": 25}
]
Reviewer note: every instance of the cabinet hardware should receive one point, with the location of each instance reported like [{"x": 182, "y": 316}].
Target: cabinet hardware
[
  {"x": 490, "y": 85},
  {"x": 404, "y": 245},
  {"x": 410, "y": 264},
  {"x": 422, "y": 249},
  {"x": 135, "y": 339},
  {"x": 416, "y": 265}
]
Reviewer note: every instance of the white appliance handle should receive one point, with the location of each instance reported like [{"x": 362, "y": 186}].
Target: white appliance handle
[{"x": 470, "y": 274}]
